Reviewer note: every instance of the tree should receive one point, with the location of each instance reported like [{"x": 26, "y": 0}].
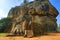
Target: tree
[
  {"x": 59, "y": 28},
  {"x": 25, "y": 1},
  {"x": 37, "y": 0},
  {"x": 5, "y": 23}
]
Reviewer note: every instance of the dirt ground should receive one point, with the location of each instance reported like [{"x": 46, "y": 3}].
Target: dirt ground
[{"x": 51, "y": 36}]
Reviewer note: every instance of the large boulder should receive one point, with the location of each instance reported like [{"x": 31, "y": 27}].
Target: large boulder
[{"x": 43, "y": 17}]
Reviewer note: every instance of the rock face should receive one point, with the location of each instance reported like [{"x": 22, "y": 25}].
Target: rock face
[{"x": 33, "y": 18}]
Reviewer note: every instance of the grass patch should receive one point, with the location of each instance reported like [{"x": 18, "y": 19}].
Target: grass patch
[{"x": 3, "y": 34}]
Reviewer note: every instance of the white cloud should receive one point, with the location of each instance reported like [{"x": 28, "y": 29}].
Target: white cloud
[{"x": 2, "y": 14}]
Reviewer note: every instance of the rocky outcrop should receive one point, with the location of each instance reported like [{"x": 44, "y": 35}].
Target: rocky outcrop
[{"x": 43, "y": 17}]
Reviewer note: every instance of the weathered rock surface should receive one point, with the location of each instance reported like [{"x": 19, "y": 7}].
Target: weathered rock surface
[{"x": 43, "y": 17}]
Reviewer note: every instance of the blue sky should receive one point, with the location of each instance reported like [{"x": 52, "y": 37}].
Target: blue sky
[{"x": 6, "y": 5}]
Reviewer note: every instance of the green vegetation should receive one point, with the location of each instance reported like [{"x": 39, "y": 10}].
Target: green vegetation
[
  {"x": 59, "y": 27},
  {"x": 25, "y": 1},
  {"x": 38, "y": 0},
  {"x": 3, "y": 34},
  {"x": 4, "y": 23}
]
